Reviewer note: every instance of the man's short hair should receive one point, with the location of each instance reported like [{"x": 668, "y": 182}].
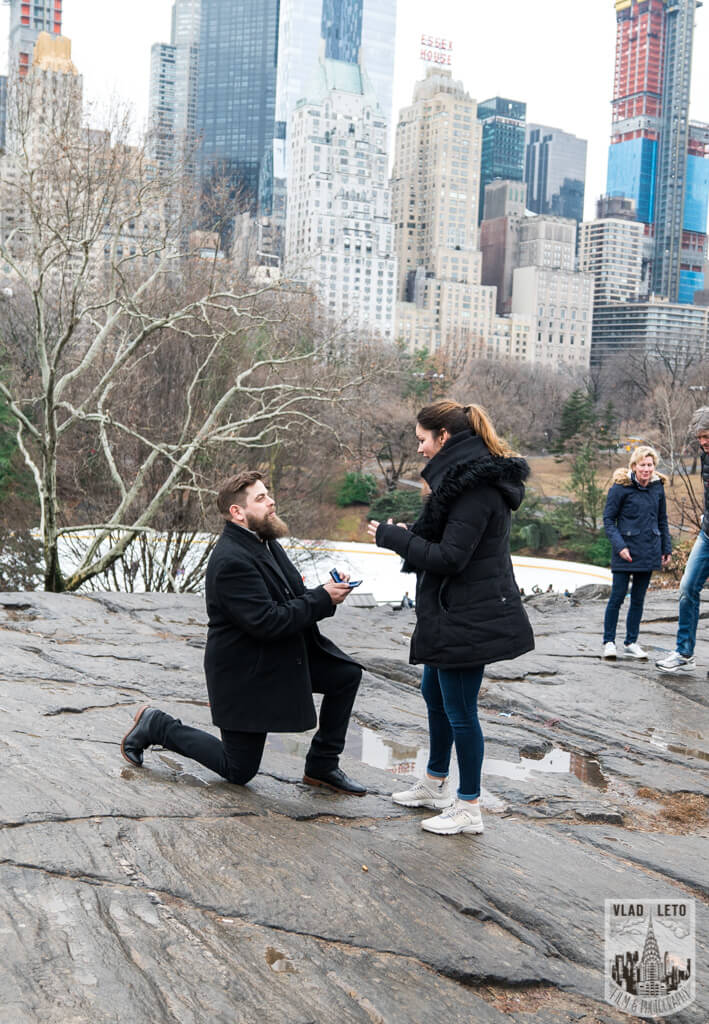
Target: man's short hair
[
  {"x": 699, "y": 423},
  {"x": 233, "y": 490}
]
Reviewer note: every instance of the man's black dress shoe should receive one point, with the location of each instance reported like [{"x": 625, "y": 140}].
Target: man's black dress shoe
[
  {"x": 337, "y": 781},
  {"x": 138, "y": 736}
]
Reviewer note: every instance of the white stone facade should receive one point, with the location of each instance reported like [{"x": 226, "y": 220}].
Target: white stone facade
[
  {"x": 339, "y": 236},
  {"x": 612, "y": 250}
]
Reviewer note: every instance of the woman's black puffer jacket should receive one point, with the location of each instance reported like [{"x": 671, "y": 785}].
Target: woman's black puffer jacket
[{"x": 468, "y": 608}]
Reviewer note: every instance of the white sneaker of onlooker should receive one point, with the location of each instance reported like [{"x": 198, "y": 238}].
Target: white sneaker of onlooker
[
  {"x": 609, "y": 651},
  {"x": 676, "y": 662},
  {"x": 634, "y": 651}
]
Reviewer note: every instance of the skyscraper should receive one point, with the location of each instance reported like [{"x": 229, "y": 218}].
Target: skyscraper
[
  {"x": 342, "y": 29},
  {"x": 503, "y": 142},
  {"x": 27, "y": 19},
  {"x": 611, "y": 249},
  {"x": 339, "y": 236},
  {"x": 434, "y": 207},
  {"x": 653, "y": 141},
  {"x": 555, "y": 172},
  {"x": 173, "y": 86},
  {"x": 162, "y": 104},
  {"x": 236, "y": 89},
  {"x": 354, "y": 31}
]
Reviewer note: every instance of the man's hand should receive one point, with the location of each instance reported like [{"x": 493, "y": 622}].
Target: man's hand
[
  {"x": 625, "y": 555},
  {"x": 337, "y": 591},
  {"x": 666, "y": 561}
]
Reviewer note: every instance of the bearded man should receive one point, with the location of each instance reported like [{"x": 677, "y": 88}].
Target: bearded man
[{"x": 265, "y": 655}]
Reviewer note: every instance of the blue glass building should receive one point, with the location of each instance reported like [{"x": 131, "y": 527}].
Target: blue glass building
[
  {"x": 503, "y": 142},
  {"x": 236, "y": 89},
  {"x": 555, "y": 172},
  {"x": 632, "y": 169},
  {"x": 342, "y": 29}
]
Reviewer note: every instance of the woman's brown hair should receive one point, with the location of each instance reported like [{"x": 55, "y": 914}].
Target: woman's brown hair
[{"x": 453, "y": 417}]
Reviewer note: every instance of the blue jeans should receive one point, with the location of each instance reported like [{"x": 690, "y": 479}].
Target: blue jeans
[
  {"x": 695, "y": 576},
  {"x": 641, "y": 581},
  {"x": 451, "y": 697}
]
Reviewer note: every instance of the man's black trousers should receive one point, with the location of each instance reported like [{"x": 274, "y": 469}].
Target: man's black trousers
[{"x": 237, "y": 756}]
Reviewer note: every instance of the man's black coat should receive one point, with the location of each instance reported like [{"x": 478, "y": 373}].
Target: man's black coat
[{"x": 261, "y": 619}]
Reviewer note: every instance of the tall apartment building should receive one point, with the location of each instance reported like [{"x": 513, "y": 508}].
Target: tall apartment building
[
  {"x": 3, "y": 110},
  {"x": 505, "y": 205},
  {"x": 354, "y": 31},
  {"x": 503, "y": 142},
  {"x": 435, "y": 189},
  {"x": 236, "y": 90},
  {"x": 173, "y": 87},
  {"x": 657, "y": 156},
  {"x": 548, "y": 289},
  {"x": 27, "y": 19},
  {"x": 339, "y": 237},
  {"x": 555, "y": 172},
  {"x": 611, "y": 249},
  {"x": 54, "y": 91},
  {"x": 162, "y": 142}
]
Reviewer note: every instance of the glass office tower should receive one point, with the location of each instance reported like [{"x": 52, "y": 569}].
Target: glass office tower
[
  {"x": 504, "y": 137},
  {"x": 236, "y": 89},
  {"x": 342, "y": 29},
  {"x": 555, "y": 172}
]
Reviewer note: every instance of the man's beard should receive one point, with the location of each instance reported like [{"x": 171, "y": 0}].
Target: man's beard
[{"x": 270, "y": 528}]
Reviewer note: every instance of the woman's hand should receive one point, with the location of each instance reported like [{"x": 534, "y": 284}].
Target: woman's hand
[
  {"x": 625, "y": 555},
  {"x": 666, "y": 561}
]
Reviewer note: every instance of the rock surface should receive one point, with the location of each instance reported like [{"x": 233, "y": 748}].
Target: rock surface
[{"x": 167, "y": 895}]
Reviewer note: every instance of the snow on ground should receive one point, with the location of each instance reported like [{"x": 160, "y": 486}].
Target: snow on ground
[{"x": 381, "y": 574}]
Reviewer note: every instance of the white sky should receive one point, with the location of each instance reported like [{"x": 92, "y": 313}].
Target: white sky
[{"x": 557, "y": 55}]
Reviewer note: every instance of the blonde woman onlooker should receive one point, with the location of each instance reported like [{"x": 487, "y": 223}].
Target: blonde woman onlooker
[{"x": 635, "y": 521}]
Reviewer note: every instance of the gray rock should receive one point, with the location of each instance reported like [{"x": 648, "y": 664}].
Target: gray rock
[{"x": 165, "y": 894}]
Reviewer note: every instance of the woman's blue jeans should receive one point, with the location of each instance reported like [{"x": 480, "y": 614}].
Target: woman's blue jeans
[
  {"x": 641, "y": 581},
  {"x": 451, "y": 697},
  {"x": 694, "y": 577}
]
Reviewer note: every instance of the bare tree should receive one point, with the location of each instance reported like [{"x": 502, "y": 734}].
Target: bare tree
[{"x": 133, "y": 366}]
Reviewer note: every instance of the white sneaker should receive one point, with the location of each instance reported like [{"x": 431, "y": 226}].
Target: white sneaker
[
  {"x": 433, "y": 793},
  {"x": 609, "y": 651},
  {"x": 461, "y": 817},
  {"x": 634, "y": 651},
  {"x": 677, "y": 662}
]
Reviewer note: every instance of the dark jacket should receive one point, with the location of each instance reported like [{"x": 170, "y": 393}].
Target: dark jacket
[
  {"x": 705, "y": 481},
  {"x": 635, "y": 517},
  {"x": 468, "y": 608},
  {"x": 261, "y": 619}
]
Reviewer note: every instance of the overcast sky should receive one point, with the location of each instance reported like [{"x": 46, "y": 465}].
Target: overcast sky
[{"x": 557, "y": 55}]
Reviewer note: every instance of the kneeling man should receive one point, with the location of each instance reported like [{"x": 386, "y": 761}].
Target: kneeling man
[{"x": 265, "y": 655}]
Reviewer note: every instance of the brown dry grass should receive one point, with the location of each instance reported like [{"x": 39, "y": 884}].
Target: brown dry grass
[
  {"x": 679, "y": 808},
  {"x": 550, "y": 477},
  {"x": 352, "y": 524}
]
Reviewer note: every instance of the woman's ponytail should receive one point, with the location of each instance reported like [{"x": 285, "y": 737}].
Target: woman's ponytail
[{"x": 453, "y": 417}]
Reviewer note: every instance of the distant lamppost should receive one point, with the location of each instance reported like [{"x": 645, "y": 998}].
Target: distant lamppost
[{"x": 430, "y": 377}]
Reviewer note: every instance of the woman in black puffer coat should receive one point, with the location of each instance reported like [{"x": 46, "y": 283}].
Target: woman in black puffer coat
[
  {"x": 468, "y": 608},
  {"x": 635, "y": 521}
]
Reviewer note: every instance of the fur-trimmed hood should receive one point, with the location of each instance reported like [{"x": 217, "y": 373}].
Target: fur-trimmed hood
[
  {"x": 627, "y": 479},
  {"x": 465, "y": 462}
]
